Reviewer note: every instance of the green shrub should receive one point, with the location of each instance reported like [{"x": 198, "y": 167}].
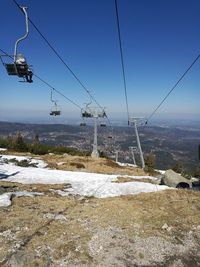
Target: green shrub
[
  {"x": 26, "y": 163},
  {"x": 18, "y": 144}
]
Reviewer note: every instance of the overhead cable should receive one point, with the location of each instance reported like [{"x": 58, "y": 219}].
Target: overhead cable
[
  {"x": 59, "y": 56},
  {"x": 49, "y": 85},
  {"x": 122, "y": 58},
  {"x": 172, "y": 89}
]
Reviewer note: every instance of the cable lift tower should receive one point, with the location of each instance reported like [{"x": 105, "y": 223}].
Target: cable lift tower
[
  {"x": 116, "y": 155},
  {"x": 133, "y": 150},
  {"x": 138, "y": 122},
  {"x": 19, "y": 67},
  {"x": 94, "y": 113}
]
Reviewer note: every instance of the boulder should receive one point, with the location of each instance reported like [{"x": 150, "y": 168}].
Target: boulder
[{"x": 173, "y": 179}]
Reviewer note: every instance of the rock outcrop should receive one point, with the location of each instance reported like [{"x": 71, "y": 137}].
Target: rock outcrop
[{"x": 173, "y": 179}]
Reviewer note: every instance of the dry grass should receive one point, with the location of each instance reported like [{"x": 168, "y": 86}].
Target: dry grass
[
  {"x": 33, "y": 224},
  {"x": 129, "y": 179},
  {"x": 97, "y": 165},
  {"x": 88, "y": 164},
  {"x": 14, "y": 187}
]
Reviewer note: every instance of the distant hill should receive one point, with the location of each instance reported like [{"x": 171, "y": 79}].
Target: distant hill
[{"x": 170, "y": 144}]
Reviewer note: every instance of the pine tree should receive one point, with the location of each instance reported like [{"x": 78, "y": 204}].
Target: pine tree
[
  {"x": 197, "y": 172},
  {"x": 18, "y": 143},
  {"x": 36, "y": 139}
]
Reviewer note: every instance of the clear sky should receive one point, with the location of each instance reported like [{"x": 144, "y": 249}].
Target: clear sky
[{"x": 160, "y": 39}]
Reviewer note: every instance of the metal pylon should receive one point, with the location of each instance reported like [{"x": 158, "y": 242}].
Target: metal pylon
[
  {"x": 95, "y": 153},
  {"x": 94, "y": 113},
  {"x": 135, "y": 121},
  {"x": 132, "y": 153}
]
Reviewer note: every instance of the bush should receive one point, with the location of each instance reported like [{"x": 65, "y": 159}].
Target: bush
[
  {"x": 21, "y": 163},
  {"x": 150, "y": 160},
  {"x": 39, "y": 149},
  {"x": 26, "y": 163},
  {"x": 19, "y": 144},
  {"x": 77, "y": 165},
  {"x": 151, "y": 171},
  {"x": 178, "y": 167},
  {"x": 197, "y": 172},
  {"x": 4, "y": 143}
]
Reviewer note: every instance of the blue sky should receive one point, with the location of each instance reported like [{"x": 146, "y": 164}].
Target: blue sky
[{"x": 160, "y": 39}]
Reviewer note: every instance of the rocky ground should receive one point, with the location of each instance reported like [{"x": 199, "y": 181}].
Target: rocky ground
[{"x": 149, "y": 229}]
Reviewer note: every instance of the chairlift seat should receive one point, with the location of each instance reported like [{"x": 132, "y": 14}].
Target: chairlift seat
[
  {"x": 103, "y": 125},
  {"x": 20, "y": 70},
  {"x": 55, "y": 112},
  {"x": 82, "y": 124},
  {"x": 86, "y": 114}
]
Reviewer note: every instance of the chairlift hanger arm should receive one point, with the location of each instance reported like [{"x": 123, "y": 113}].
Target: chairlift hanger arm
[
  {"x": 24, "y": 36},
  {"x": 52, "y": 100}
]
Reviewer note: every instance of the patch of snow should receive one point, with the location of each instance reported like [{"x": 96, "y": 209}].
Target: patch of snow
[
  {"x": 83, "y": 183},
  {"x": 5, "y": 200},
  {"x": 194, "y": 179},
  {"x": 40, "y": 163},
  {"x": 60, "y": 163},
  {"x": 3, "y": 149},
  {"x": 113, "y": 190},
  {"x": 126, "y": 164},
  {"x": 161, "y": 171},
  {"x": 27, "y": 194}
]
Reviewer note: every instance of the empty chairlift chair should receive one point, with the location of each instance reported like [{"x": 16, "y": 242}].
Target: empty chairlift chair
[
  {"x": 82, "y": 124},
  {"x": 56, "y": 110}
]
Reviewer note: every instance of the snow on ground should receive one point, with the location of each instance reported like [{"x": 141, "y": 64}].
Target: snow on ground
[
  {"x": 3, "y": 149},
  {"x": 5, "y": 199},
  {"x": 83, "y": 183},
  {"x": 39, "y": 163},
  {"x": 161, "y": 171},
  {"x": 27, "y": 194},
  {"x": 126, "y": 164}
]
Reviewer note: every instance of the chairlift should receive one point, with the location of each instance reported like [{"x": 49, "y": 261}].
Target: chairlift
[
  {"x": 82, "y": 124},
  {"x": 19, "y": 67},
  {"x": 110, "y": 137},
  {"x": 56, "y": 110},
  {"x": 102, "y": 114},
  {"x": 86, "y": 112},
  {"x": 102, "y": 125}
]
